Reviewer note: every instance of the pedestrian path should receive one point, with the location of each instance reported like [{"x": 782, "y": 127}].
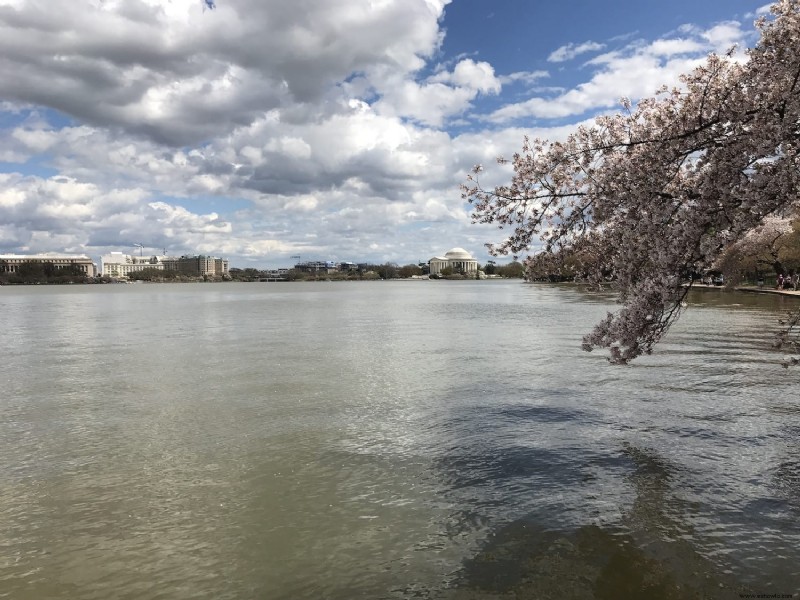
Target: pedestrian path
[
  {"x": 766, "y": 290},
  {"x": 748, "y": 288}
]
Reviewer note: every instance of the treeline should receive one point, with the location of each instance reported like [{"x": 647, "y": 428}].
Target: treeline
[
  {"x": 363, "y": 272},
  {"x": 161, "y": 275},
  {"x": 34, "y": 272},
  {"x": 762, "y": 255},
  {"x": 765, "y": 253},
  {"x": 513, "y": 270},
  {"x": 367, "y": 272}
]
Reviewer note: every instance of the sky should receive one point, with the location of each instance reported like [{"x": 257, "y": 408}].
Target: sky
[{"x": 264, "y": 130}]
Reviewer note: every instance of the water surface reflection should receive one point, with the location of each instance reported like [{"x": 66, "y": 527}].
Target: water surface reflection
[{"x": 387, "y": 440}]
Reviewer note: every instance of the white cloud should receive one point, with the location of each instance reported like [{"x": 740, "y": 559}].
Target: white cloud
[
  {"x": 265, "y": 129},
  {"x": 444, "y": 95},
  {"x": 476, "y": 76},
  {"x": 428, "y": 103},
  {"x": 675, "y": 46},
  {"x": 526, "y": 77},
  {"x": 34, "y": 140},
  {"x": 635, "y": 71},
  {"x": 723, "y": 36},
  {"x": 760, "y": 11},
  {"x": 178, "y": 75},
  {"x": 570, "y": 51}
]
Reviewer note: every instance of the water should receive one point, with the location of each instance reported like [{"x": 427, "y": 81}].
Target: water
[{"x": 388, "y": 440}]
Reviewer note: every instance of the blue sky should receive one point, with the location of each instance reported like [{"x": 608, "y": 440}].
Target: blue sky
[
  {"x": 520, "y": 35},
  {"x": 329, "y": 129}
]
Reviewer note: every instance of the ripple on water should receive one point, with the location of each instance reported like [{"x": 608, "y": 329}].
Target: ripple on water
[{"x": 364, "y": 440}]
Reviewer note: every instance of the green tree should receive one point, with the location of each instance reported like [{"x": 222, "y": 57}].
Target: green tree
[
  {"x": 387, "y": 271},
  {"x": 31, "y": 271},
  {"x": 153, "y": 274},
  {"x": 409, "y": 271},
  {"x": 513, "y": 270}
]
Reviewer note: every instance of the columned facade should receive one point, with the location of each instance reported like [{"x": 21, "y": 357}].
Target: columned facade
[
  {"x": 10, "y": 263},
  {"x": 457, "y": 259}
]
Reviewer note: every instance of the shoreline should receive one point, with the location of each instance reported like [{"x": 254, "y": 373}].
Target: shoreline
[{"x": 748, "y": 288}]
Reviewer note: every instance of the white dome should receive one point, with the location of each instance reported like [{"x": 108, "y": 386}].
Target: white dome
[{"x": 458, "y": 253}]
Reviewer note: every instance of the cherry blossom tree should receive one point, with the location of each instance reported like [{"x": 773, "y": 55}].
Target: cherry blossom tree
[
  {"x": 663, "y": 188},
  {"x": 770, "y": 247}
]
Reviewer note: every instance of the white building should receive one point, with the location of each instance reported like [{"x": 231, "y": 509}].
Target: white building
[
  {"x": 121, "y": 265},
  {"x": 457, "y": 259},
  {"x": 118, "y": 264},
  {"x": 9, "y": 263}
]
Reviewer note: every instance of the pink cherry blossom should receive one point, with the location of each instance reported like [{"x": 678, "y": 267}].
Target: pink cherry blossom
[{"x": 663, "y": 188}]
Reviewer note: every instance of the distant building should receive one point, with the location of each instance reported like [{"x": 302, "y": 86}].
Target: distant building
[
  {"x": 9, "y": 263},
  {"x": 316, "y": 266},
  {"x": 457, "y": 259},
  {"x": 117, "y": 264},
  {"x": 197, "y": 266},
  {"x": 276, "y": 273}
]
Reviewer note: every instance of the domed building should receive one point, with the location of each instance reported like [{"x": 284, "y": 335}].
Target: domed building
[{"x": 457, "y": 259}]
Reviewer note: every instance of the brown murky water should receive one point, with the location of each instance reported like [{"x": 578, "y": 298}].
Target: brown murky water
[{"x": 389, "y": 440}]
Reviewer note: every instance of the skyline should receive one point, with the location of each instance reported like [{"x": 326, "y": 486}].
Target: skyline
[{"x": 326, "y": 129}]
